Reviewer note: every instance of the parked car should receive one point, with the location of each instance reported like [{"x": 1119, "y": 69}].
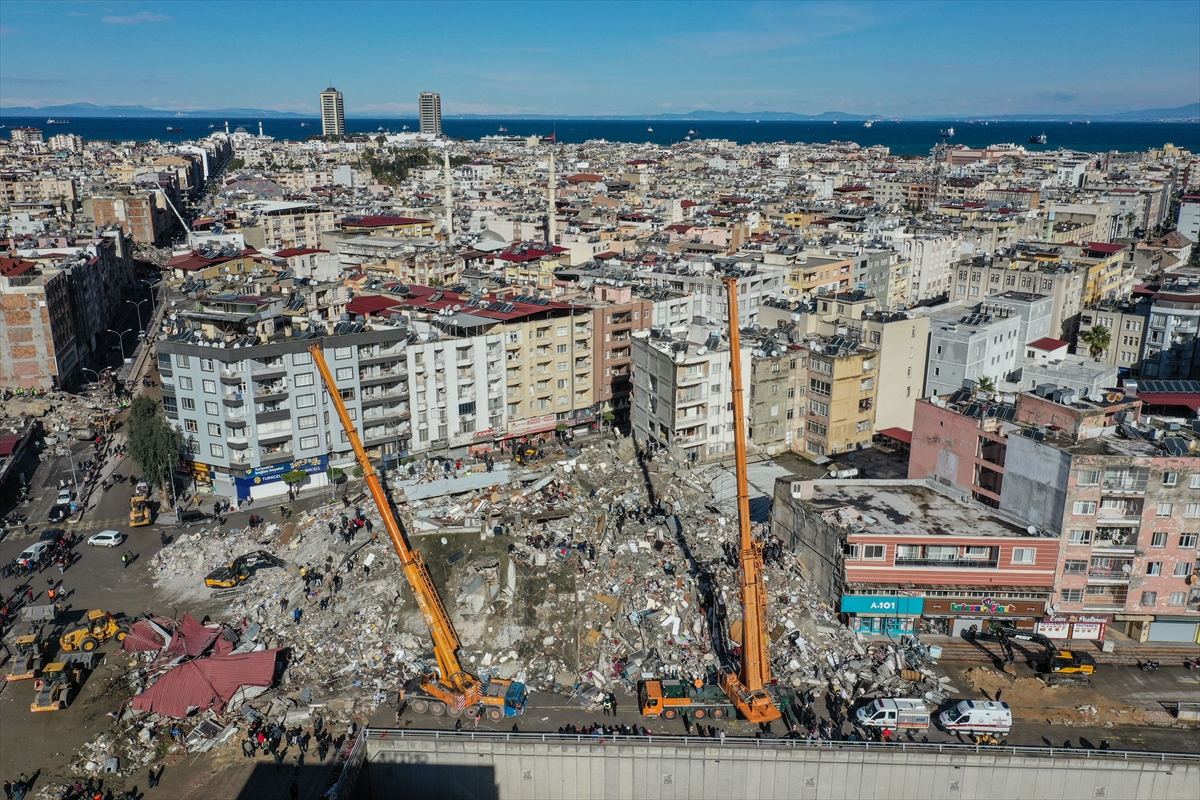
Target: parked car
[
  {"x": 106, "y": 539},
  {"x": 65, "y": 496},
  {"x": 194, "y": 516},
  {"x": 59, "y": 513}
]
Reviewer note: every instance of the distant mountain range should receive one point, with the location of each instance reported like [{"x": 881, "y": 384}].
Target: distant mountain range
[{"x": 1188, "y": 113}]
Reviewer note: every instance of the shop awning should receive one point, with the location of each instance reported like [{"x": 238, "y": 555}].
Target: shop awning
[{"x": 899, "y": 434}]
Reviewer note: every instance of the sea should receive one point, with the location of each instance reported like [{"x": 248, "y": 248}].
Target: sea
[{"x": 902, "y": 138}]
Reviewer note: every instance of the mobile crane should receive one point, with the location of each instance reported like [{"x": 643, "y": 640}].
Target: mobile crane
[
  {"x": 451, "y": 690},
  {"x": 747, "y": 688},
  {"x": 1057, "y": 667}
]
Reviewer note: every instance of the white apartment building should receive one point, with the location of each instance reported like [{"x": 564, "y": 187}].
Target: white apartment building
[
  {"x": 932, "y": 257},
  {"x": 965, "y": 344},
  {"x": 708, "y": 297},
  {"x": 682, "y": 393},
  {"x": 333, "y": 113}
]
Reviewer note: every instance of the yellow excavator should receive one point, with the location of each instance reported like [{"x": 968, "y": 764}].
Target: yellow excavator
[{"x": 450, "y": 690}]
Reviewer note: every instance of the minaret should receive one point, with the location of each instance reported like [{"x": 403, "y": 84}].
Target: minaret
[
  {"x": 550, "y": 213},
  {"x": 226, "y": 127},
  {"x": 449, "y": 198}
]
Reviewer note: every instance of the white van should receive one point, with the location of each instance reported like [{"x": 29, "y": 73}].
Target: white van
[
  {"x": 977, "y": 716},
  {"x": 894, "y": 714}
]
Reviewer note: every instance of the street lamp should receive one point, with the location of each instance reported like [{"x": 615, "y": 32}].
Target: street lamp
[
  {"x": 121, "y": 340},
  {"x": 97, "y": 374},
  {"x": 138, "y": 306}
]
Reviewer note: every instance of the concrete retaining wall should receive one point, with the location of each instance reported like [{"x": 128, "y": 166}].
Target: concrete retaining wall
[{"x": 452, "y": 768}]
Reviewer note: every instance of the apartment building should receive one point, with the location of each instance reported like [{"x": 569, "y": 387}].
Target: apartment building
[
  {"x": 239, "y": 382},
  {"x": 976, "y": 278},
  {"x": 932, "y": 257},
  {"x": 19, "y": 189},
  {"x": 906, "y": 556},
  {"x": 143, "y": 215},
  {"x": 37, "y": 339},
  {"x": 1187, "y": 221},
  {"x": 429, "y": 108},
  {"x": 1171, "y": 349},
  {"x": 616, "y": 315},
  {"x": 968, "y": 344},
  {"x": 1126, "y": 325},
  {"x": 278, "y": 224},
  {"x": 333, "y": 113},
  {"x": 707, "y": 291},
  {"x": 682, "y": 392},
  {"x": 777, "y": 395},
  {"x": 842, "y": 388}
]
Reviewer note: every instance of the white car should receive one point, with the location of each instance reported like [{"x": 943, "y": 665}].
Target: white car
[
  {"x": 106, "y": 539},
  {"x": 33, "y": 552},
  {"x": 65, "y": 496}
]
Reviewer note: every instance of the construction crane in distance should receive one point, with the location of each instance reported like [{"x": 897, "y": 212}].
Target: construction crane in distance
[
  {"x": 747, "y": 688},
  {"x": 452, "y": 691}
]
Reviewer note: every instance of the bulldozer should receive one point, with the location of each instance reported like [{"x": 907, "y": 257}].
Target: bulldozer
[
  {"x": 241, "y": 568},
  {"x": 27, "y": 658},
  {"x": 59, "y": 682},
  {"x": 100, "y": 626}
]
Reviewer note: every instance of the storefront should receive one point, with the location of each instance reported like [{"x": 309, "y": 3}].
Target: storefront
[
  {"x": 263, "y": 482},
  {"x": 882, "y": 615},
  {"x": 1173, "y": 629},
  {"x": 1088, "y": 627},
  {"x": 951, "y": 617}
]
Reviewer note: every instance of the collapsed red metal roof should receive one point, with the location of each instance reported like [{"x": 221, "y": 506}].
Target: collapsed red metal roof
[{"x": 206, "y": 683}]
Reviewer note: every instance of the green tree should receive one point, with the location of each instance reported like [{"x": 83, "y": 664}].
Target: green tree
[
  {"x": 294, "y": 477},
  {"x": 154, "y": 444},
  {"x": 335, "y": 474},
  {"x": 985, "y": 384},
  {"x": 1097, "y": 339}
]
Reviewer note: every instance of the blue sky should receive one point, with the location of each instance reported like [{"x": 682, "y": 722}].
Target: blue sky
[{"x": 892, "y": 58}]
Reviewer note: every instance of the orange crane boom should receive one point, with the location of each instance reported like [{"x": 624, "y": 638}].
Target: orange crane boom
[
  {"x": 454, "y": 686},
  {"x": 747, "y": 688}
]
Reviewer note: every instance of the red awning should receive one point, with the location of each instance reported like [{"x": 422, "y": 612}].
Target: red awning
[{"x": 899, "y": 434}]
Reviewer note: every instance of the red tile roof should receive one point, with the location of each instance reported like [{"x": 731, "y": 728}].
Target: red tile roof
[
  {"x": 1048, "y": 344},
  {"x": 421, "y": 299},
  {"x": 1104, "y": 247},
  {"x": 531, "y": 254},
  {"x": 12, "y": 267},
  {"x": 381, "y": 221}
]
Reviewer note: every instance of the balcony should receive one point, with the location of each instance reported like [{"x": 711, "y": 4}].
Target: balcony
[
  {"x": 231, "y": 378},
  {"x": 275, "y": 456},
  {"x": 233, "y": 399},
  {"x": 369, "y": 356},
  {"x": 382, "y": 397},
  {"x": 370, "y": 377},
  {"x": 267, "y": 371},
  {"x": 952, "y": 563},
  {"x": 238, "y": 442},
  {"x": 1108, "y": 577}
]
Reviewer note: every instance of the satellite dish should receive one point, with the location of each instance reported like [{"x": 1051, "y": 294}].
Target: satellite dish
[
  {"x": 1054, "y": 607},
  {"x": 1127, "y": 568},
  {"x": 1031, "y": 530},
  {"x": 457, "y": 307}
]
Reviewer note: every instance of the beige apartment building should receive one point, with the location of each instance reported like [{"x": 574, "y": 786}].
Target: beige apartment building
[
  {"x": 16, "y": 189},
  {"x": 842, "y": 387},
  {"x": 277, "y": 224}
]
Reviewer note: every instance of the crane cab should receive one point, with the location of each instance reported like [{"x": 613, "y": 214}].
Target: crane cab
[
  {"x": 501, "y": 699},
  {"x": 1069, "y": 662}
]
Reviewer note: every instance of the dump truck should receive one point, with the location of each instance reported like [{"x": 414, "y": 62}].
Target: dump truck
[
  {"x": 27, "y": 658},
  {"x": 60, "y": 682},
  {"x": 99, "y": 627},
  {"x": 139, "y": 505},
  {"x": 238, "y": 570}
]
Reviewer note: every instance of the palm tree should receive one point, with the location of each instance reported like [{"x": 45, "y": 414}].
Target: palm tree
[
  {"x": 985, "y": 384},
  {"x": 1097, "y": 339}
]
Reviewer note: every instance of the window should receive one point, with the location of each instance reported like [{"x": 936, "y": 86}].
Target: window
[
  {"x": 188, "y": 404},
  {"x": 1164, "y": 510},
  {"x": 206, "y": 364},
  {"x": 1159, "y": 539},
  {"x": 1084, "y": 508},
  {"x": 300, "y": 359},
  {"x": 306, "y": 401},
  {"x": 169, "y": 404},
  {"x": 1187, "y": 540},
  {"x": 347, "y": 394},
  {"x": 873, "y": 552},
  {"x": 342, "y": 353},
  {"x": 210, "y": 408},
  {"x": 1074, "y": 567},
  {"x": 1191, "y": 510},
  {"x": 214, "y": 429},
  {"x": 309, "y": 421},
  {"x": 1023, "y": 555},
  {"x": 216, "y": 450},
  {"x": 466, "y": 408},
  {"x": 193, "y": 447},
  {"x": 185, "y": 382},
  {"x": 562, "y": 349},
  {"x": 850, "y": 551},
  {"x": 210, "y": 387},
  {"x": 864, "y": 426},
  {"x": 309, "y": 443},
  {"x": 1153, "y": 568},
  {"x": 1170, "y": 478},
  {"x": 1149, "y": 599},
  {"x": 1079, "y": 537},
  {"x": 304, "y": 379},
  {"x": 814, "y": 448},
  {"x": 191, "y": 426},
  {"x": 816, "y": 428},
  {"x": 1195, "y": 482},
  {"x": 1087, "y": 477},
  {"x": 866, "y": 385},
  {"x": 1182, "y": 570},
  {"x": 344, "y": 373},
  {"x": 819, "y": 387},
  {"x": 1177, "y": 599},
  {"x": 1071, "y": 595}
]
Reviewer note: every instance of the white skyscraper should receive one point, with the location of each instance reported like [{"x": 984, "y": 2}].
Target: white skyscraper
[
  {"x": 430, "y": 106},
  {"x": 333, "y": 114}
]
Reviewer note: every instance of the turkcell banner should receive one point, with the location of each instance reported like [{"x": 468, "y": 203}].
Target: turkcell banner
[{"x": 883, "y": 605}]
